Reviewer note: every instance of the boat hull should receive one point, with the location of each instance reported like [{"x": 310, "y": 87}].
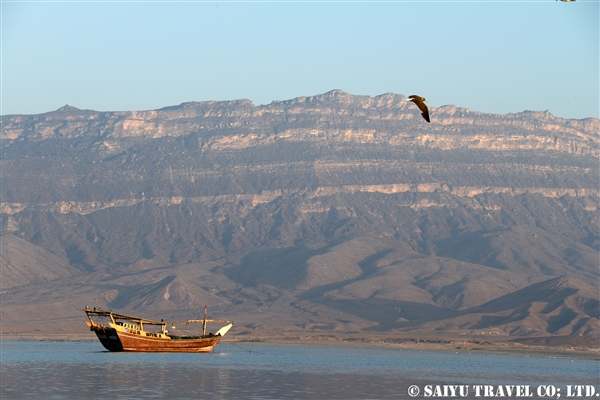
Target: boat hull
[{"x": 114, "y": 340}]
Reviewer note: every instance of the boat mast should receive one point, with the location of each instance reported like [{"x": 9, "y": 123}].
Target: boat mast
[{"x": 204, "y": 321}]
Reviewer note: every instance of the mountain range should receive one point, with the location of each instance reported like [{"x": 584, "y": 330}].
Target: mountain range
[{"x": 329, "y": 214}]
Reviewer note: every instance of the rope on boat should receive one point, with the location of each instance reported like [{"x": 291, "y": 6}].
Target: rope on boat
[{"x": 245, "y": 349}]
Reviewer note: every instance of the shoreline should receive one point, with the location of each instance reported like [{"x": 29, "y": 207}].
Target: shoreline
[{"x": 457, "y": 345}]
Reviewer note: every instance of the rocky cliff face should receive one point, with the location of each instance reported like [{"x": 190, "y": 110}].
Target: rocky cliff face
[
  {"x": 335, "y": 116},
  {"x": 261, "y": 200}
]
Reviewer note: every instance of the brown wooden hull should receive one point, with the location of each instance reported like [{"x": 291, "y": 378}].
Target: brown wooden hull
[{"x": 113, "y": 340}]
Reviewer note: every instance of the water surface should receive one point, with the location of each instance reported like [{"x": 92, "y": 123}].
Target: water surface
[{"x": 65, "y": 370}]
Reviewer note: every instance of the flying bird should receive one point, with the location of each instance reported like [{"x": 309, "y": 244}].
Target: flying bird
[{"x": 420, "y": 102}]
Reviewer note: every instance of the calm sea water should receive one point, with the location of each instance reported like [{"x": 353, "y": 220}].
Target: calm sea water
[{"x": 75, "y": 370}]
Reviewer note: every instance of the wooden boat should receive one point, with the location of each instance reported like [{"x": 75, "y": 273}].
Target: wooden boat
[{"x": 119, "y": 332}]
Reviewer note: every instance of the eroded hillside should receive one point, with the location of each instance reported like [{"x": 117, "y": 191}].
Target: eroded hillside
[{"x": 307, "y": 214}]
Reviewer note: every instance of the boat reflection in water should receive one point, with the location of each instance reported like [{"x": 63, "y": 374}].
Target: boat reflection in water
[{"x": 119, "y": 332}]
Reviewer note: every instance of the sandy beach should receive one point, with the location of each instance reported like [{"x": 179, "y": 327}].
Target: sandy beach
[{"x": 465, "y": 345}]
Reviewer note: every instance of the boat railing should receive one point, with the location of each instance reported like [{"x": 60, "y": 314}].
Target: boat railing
[{"x": 115, "y": 317}]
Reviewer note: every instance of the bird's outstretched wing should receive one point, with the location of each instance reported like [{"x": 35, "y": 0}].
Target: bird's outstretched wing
[
  {"x": 420, "y": 102},
  {"x": 425, "y": 112}
]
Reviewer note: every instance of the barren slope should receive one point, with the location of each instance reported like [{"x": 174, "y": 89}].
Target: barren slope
[{"x": 331, "y": 213}]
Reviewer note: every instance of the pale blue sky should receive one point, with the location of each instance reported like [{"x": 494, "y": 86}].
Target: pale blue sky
[{"x": 489, "y": 56}]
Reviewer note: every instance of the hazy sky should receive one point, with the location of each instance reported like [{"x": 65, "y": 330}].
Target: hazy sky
[{"x": 489, "y": 56}]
